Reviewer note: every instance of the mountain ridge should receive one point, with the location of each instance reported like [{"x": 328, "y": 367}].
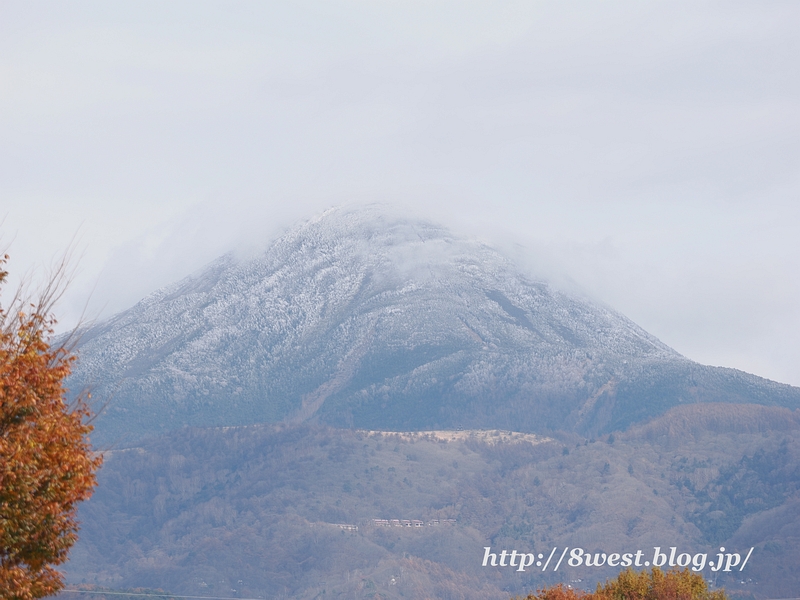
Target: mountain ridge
[{"x": 358, "y": 318}]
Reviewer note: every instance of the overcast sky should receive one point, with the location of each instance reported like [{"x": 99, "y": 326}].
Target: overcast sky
[{"x": 647, "y": 151}]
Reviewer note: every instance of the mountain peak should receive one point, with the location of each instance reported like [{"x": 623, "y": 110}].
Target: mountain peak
[{"x": 363, "y": 318}]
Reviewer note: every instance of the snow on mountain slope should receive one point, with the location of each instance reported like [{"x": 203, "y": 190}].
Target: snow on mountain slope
[{"x": 362, "y": 319}]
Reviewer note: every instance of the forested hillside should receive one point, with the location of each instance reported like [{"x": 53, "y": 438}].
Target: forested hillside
[{"x": 289, "y": 511}]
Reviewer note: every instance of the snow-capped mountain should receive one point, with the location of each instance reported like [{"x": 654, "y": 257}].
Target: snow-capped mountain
[{"x": 362, "y": 319}]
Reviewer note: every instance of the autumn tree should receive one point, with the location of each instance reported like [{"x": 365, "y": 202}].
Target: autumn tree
[
  {"x": 644, "y": 585},
  {"x": 46, "y": 462},
  {"x": 657, "y": 585}
]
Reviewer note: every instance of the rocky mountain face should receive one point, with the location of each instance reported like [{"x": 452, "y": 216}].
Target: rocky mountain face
[{"x": 358, "y": 319}]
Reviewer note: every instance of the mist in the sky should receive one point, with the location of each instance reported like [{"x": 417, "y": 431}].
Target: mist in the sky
[{"x": 644, "y": 153}]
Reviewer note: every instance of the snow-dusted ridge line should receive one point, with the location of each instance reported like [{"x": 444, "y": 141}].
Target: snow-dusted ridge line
[{"x": 362, "y": 319}]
